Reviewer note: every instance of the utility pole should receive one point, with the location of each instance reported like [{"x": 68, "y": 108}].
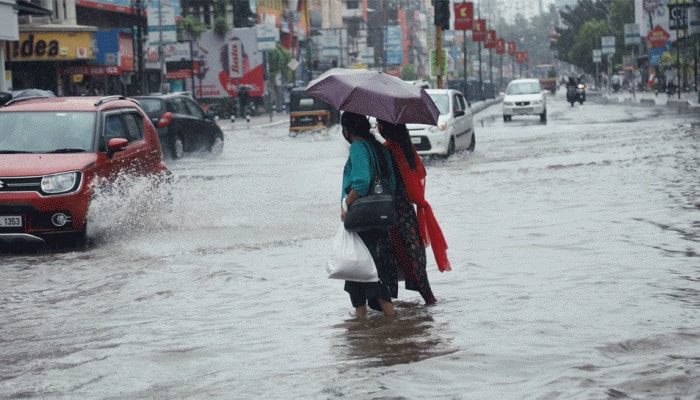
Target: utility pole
[
  {"x": 161, "y": 49},
  {"x": 442, "y": 22},
  {"x": 438, "y": 53}
]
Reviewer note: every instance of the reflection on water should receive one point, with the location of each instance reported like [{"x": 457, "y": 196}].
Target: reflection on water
[{"x": 375, "y": 340}]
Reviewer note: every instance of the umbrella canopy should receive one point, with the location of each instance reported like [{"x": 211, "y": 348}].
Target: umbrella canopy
[{"x": 375, "y": 94}]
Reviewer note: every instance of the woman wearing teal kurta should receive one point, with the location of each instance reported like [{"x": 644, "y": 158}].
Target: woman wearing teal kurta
[{"x": 357, "y": 177}]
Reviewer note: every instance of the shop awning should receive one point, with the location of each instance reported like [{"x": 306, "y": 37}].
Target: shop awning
[{"x": 25, "y": 7}]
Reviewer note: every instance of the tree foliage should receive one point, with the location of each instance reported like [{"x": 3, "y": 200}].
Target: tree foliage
[
  {"x": 277, "y": 61},
  {"x": 220, "y": 23},
  {"x": 191, "y": 25},
  {"x": 585, "y": 24}
]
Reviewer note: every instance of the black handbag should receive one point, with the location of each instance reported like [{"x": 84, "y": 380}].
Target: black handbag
[{"x": 376, "y": 210}]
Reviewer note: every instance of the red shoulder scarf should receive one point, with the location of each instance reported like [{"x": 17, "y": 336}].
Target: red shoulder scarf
[{"x": 415, "y": 191}]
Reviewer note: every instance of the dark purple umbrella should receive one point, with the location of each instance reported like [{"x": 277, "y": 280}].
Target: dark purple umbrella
[{"x": 375, "y": 94}]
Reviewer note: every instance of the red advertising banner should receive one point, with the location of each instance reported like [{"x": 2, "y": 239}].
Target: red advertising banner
[
  {"x": 500, "y": 46},
  {"x": 511, "y": 49},
  {"x": 479, "y": 30},
  {"x": 464, "y": 16},
  {"x": 520, "y": 57},
  {"x": 490, "y": 42},
  {"x": 126, "y": 51}
]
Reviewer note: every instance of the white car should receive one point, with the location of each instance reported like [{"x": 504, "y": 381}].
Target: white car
[
  {"x": 524, "y": 97},
  {"x": 455, "y": 128}
]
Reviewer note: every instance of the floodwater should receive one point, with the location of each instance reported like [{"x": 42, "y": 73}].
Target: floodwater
[{"x": 576, "y": 275}]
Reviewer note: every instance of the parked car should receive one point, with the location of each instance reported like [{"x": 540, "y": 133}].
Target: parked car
[
  {"x": 455, "y": 128},
  {"x": 183, "y": 126},
  {"x": 524, "y": 97},
  {"x": 55, "y": 152}
]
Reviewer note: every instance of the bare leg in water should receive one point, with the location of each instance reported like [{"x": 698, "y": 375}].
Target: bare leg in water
[{"x": 387, "y": 308}]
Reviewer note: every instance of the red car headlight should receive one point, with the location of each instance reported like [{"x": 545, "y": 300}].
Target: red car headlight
[{"x": 59, "y": 183}]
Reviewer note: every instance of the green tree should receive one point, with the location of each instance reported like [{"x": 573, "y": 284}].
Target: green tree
[
  {"x": 587, "y": 39},
  {"x": 277, "y": 61},
  {"x": 220, "y": 23},
  {"x": 192, "y": 26},
  {"x": 586, "y": 23}
]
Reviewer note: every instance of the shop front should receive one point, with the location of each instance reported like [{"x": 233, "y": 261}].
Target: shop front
[
  {"x": 111, "y": 72},
  {"x": 38, "y": 58}
]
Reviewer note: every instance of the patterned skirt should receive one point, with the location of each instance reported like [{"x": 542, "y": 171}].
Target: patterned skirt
[{"x": 409, "y": 251}]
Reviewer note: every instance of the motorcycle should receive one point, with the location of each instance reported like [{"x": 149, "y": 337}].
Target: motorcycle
[{"x": 576, "y": 92}]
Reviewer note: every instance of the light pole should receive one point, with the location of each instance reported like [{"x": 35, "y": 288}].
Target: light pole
[{"x": 161, "y": 49}]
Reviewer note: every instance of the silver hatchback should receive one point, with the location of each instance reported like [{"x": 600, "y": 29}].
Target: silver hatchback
[
  {"x": 524, "y": 97},
  {"x": 455, "y": 128}
]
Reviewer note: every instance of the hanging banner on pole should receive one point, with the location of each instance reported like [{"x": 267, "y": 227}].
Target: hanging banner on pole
[
  {"x": 512, "y": 51},
  {"x": 479, "y": 31},
  {"x": 464, "y": 16},
  {"x": 490, "y": 42},
  {"x": 500, "y": 46}
]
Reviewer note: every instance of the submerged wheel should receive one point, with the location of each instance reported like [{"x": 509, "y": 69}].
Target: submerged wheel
[
  {"x": 472, "y": 144},
  {"x": 217, "y": 146},
  {"x": 451, "y": 147},
  {"x": 543, "y": 116}
]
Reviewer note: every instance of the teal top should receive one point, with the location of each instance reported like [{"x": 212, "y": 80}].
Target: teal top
[{"x": 357, "y": 173}]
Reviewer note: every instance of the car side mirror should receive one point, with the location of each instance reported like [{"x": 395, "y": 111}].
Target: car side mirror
[
  {"x": 116, "y": 144},
  {"x": 459, "y": 113}
]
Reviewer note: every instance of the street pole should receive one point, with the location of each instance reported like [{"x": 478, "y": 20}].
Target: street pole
[
  {"x": 161, "y": 49},
  {"x": 481, "y": 79},
  {"x": 466, "y": 58},
  {"x": 438, "y": 53}
]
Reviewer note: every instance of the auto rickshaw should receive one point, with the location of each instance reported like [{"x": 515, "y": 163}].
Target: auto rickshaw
[{"x": 307, "y": 113}]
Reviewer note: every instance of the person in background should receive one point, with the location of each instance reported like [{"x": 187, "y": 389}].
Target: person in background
[
  {"x": 416, "y": 230},
  {"x": 357, "y": 177}
]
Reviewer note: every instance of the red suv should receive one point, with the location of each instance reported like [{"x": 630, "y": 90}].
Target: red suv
[{"x": 55, "y": 151}]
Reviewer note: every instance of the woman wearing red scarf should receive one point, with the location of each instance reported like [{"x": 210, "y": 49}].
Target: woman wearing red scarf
[{"x": 415, "y": 231}]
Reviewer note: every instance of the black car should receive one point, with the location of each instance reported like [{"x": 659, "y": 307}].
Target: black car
[{"x": 183, "y": 127}]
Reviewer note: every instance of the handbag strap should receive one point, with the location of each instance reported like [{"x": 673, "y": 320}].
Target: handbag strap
[{"x": 376, "y": 166}]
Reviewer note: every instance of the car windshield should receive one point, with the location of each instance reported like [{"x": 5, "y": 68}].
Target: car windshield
[
  {"x": 150, "y": 105},
  {"x": 523, "y": 88},
  {"x": 46, "y": 132},
  {"x": 442, "y": 102}
]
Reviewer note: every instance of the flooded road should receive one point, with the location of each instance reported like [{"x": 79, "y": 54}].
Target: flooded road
[{"x": 576, "y": 275}]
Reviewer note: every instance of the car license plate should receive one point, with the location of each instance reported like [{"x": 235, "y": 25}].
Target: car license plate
[
  {"x": 10, "y": 221},
  {"x": 415, "y": 140}
]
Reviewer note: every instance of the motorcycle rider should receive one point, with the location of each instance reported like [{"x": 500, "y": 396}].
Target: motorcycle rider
[{"x": 575, "y": 90}]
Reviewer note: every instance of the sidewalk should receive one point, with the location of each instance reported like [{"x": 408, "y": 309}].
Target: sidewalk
[
  {"x": 687, "y": 101},
  {"x": 265, "y": 121},
  {"x": 256, "y": 121}
]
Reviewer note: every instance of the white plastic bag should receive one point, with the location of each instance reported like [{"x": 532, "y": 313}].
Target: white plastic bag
[{"x": 350, "y": 259}]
